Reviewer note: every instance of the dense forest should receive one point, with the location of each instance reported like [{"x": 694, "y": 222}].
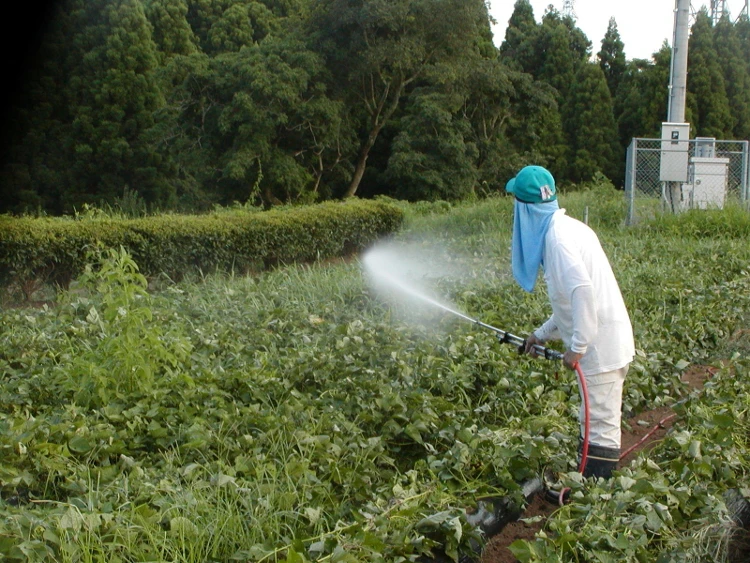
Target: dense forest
[{"x": 185, "y": 104}]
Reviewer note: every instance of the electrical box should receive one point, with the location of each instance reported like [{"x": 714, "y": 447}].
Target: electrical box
[
  {"x": 674, "y": 152},
  {"x": 708, "y": 179},
  {"x": 705, "y": 147}
]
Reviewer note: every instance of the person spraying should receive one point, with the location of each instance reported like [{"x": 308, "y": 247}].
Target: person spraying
[{"x": 588, "y": 311}]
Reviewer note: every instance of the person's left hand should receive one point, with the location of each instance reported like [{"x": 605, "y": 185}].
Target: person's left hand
[{"x": 570, "y": 359}]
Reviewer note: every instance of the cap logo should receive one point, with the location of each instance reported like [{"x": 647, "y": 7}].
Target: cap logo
[{"x": 545, "y": 192}]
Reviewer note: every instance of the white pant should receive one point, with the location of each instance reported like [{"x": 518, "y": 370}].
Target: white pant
[{"x": 605, "y": 407}]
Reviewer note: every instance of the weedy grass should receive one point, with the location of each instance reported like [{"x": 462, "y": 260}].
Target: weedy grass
[{"x": 296, "y": 416}]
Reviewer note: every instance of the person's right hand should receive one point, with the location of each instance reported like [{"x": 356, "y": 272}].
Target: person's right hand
[{"x": 532, "y": 341}]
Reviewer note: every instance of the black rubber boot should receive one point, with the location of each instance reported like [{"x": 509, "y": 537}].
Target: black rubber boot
[
  {"x": 600, "y": 461},
  {"x": 493, "y": 513}
]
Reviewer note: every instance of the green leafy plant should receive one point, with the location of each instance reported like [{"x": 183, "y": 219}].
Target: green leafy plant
[{"x": 293, "y": 415}]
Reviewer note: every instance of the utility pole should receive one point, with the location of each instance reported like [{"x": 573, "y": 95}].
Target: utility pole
[
  {"x": 678, "y": 70},
  {"x": 675, "y": 133}
]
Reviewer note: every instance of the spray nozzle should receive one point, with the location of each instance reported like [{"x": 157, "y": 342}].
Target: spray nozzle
[{"x": 508, "y": 338}]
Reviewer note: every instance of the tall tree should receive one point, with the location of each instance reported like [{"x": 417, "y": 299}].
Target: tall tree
[
  {"x": 257, "y": 125},
  {"x": 736, "y": 72},
  {"x": 118, "y": 96},
  {"x": 186, "y": 133},
  {"x": 240, "y": 25},
  {"x": 590, "y": 127},
  {"x": 519, "y": 48},
  {"x": 707, "y": 95},
  {"x": 563, "y": 49},
  {"x": 281, "y": 117},
  {"x": 90, "y": 108},
  {"x": 172, "y": 33},
  {"x": 514, "y": 121},
  {"x": 377, "y": 49},
  {"x": 612, "y": 57},
  {"x": 228, "y": 25},
  {"x": 641, "y": 102},
  {"x": 432, "y": 156},
  {"x": 559, "y": 66}
]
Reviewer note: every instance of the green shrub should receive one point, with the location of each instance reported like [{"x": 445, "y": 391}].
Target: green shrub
[{"x": 39, "y": 251}]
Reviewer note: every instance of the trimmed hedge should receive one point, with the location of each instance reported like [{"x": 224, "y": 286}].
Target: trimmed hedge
[{"x": 37, "y": 251}]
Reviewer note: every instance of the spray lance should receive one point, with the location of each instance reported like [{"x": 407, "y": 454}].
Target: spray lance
[
  {"x": 507, "y": 338},
  {"x": 548, "y": 354},
  {"x": 503, "y": 337},
  {"x": 488, "y": 520}
]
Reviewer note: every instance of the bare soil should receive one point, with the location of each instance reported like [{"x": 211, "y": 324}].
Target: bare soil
[{"x": 636, "y": 436}]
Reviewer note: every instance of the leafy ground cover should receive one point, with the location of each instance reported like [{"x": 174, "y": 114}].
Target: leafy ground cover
[{"x": 296, "y": 416}]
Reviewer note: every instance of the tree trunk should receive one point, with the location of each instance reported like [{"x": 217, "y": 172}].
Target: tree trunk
[
  {"x": 359, "y": 169},
  {"x": 381, "y": 113},
  {"x": 379, "y": 120}
]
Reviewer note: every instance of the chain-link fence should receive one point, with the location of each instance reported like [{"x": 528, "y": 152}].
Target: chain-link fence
[{"x": 669, "y": 176}]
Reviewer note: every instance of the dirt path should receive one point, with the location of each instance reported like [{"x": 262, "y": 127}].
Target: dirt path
[{"x": 636, "y": 436}]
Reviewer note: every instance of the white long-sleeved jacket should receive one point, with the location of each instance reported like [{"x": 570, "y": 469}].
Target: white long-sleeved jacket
[{"x": 588, "y": 312}]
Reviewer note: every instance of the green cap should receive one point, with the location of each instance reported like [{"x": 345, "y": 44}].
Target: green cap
[{"x": 533, "y": 184}]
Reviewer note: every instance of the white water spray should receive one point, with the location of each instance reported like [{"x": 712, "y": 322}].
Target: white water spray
[
  {"x": 408, "y": 290},
  {"x": 397, "y": 273},
  {"x": 392, "y": 268}
]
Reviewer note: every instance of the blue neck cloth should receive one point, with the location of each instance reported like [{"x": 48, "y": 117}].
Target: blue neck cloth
[{"x": 530, "y": 224}]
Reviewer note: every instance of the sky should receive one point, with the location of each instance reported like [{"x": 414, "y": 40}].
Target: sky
[{"x": 643, "y": 24}]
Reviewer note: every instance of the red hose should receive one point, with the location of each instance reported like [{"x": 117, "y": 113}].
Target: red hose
[
  {"x": 586, "y": 417},
  {"x": 660, "y": 424},
  {"x": 561, "y": 496}
]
